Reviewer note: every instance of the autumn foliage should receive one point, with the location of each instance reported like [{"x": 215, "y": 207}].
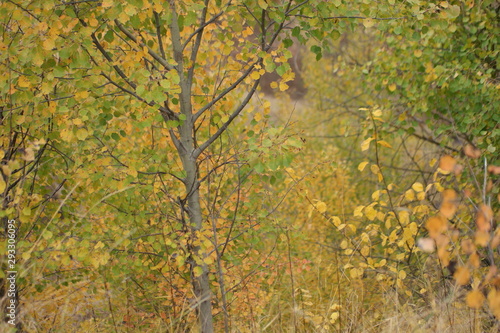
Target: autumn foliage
[{"x": 250, "y": 166}]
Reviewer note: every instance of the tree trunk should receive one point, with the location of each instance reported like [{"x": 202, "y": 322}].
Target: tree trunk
[{"x": 200, "y": 283}]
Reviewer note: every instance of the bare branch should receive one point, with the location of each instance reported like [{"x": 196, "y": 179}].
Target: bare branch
[{"x": 158, "y": 34}]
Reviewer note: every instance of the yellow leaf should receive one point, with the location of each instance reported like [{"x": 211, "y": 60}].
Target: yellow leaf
[
  {"x": 48, "y": 44},
  {"x": 417, "y": 187},
  {"x": 366, "y": 144},
  {"x": 26, "y": 211},
  {"x": 262, "y": 4},
  {"x": 334, "y": 317},
  {"x": 377, "y": 113},
  {"x": 404, "y": 217},
  {"x": 358, "y": 211},
  {"x": 3, "y": 185},
  {"x": 362, "y": 165},
  {"x": 368, "y": 23},
  {"x": 384, "y": 144},
  {"x": 283, "y": 86},
  {"x": 392, "y": 87},
  {"x": 336, "y": 220},
  {"x": 23, "y": 82},
  {"x": 410, "y": 195},
  {"x": 107, "y": 4},
  {"x": 82, "y": 134},
  {"x": 132, "y": 171},
  {"x": 255, "y": 75},
  {"x": 375, "y": 169},
  {"x": 321, "y": 207},
  {"x": 370, "y": 213}
]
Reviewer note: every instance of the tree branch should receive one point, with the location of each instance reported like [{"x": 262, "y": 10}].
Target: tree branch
[
  {"x": 152, "y": 53},
  {"x": 223, "y": 128},
  {"x": 226, "y": 91}
]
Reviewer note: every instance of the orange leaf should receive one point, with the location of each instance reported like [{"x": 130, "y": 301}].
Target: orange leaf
[
  {"x": 475, "y": 299},
  {"x": 462, "y": 275},
  {"x": 449, "y": 204},
  {"x": 444, "y": 256},
  {"x": 447, "y": 163},
  {"x": 484, "y": 217},
  {"x": 436, "y": 225},
  {"x": 468, "y": 247},
  {"x": 495, "y": 241},
  {"x": 482, "y": 238},
  {"x": 494, "y": 302},
  {"x": 494, "y": 169},
  {"x": 474, "y": 260},
  {"x": 471, "y": 151}
]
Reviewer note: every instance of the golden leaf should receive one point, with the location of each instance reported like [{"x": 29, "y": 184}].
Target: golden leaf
[
  {"x": 370, "y": 213},
  {"x": 358, "y": 211},
  {"x": 362, "y": 165},
  {"x": 462, "y": 275},
  {"x": 366, "y": 144},
  {"x": 417, "y": 187},
  {"x": 3, "y": 185},
  {"x": 475, "y": 299},
  {"x": 384, "y": 144},
  {"x": 410, "y": 195},
  {"x": 320, "y": 206},
  {"x": 336, "y": 220},
  {"x": 421, "y": 196}
]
